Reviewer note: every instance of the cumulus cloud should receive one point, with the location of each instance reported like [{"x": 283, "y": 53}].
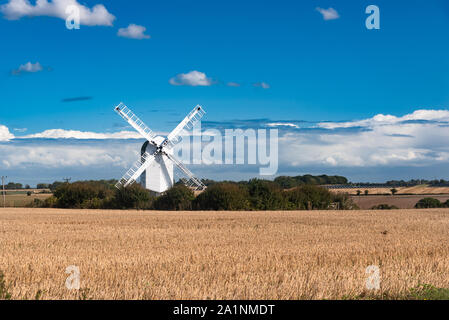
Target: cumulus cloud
[
  {"x": 193, "y": 78},
  {"x": 133, "y": 31},
  {"x": 328, "y": 14},
  {"x": 98, "y": 15},
  {"x": 262, "y": 85},
  {"x": 62, "y": 155},
  {"x": 74, "y": 134},
  {"x": 28, "y": 68},
  {"x": 415, "y": 139},
  {"x": 5, "y": 135}
]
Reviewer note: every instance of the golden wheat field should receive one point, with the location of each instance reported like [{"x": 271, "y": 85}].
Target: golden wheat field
[{"x": 220, "y": 255}]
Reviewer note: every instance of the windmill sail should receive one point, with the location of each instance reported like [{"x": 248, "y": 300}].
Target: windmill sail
[
  {"x": 135, "y": 122},
  {"x": 187, "y": 123},
  {"x": 192, "y": 181},
  {"x": 136, "y": 170}
]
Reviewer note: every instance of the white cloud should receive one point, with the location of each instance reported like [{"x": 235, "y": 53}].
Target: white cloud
[
  {"x": 283, "y": 124},
  {"x": 74, "y": 134},
  {"x": 193, "y": 78},
  {"x": 5, "y": 135},
  {"x": 263, "y": 85},
  {"x": 98, "y": 15},
  {"x": 415, "y": 139},
  {"x": 328, "y": 14},
  {"x": 20, "y": 129},
  {"x": 233, "y": 84},
  {"x": 67, "y": 155},
  {"x": 381, "y": 119},
  {"x": 133, "y": 31},
  {"x": 28, "y": 68}
]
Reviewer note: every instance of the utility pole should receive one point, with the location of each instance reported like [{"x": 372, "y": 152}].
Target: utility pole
[
  {"x": 67, "y": 180},
  {"x": 4, "y": 194}
]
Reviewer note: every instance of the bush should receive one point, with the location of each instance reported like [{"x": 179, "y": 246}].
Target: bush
[
  {"x": 37, "y": 203},
  {"x": 384, "y": 207},
  {"x": 132, "y": 197},
  {"x": 82, "y": 195},
  {"x": 179, "y": 197},
  {"x": 266, "y": 195},
  {"x": 428, "y": 203},
  {"x": 309, "y": 197},
  {"x": 344, "y": 201},
  {"x": 50, "y": 202},
  {"x": 286, "y": 182},
  {"x": 223, "y": 196}
]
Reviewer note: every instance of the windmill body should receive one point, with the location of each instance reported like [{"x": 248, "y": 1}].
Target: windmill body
[
  {"x": 155, "y": 167},
  {"x": 159, "y": 176}
]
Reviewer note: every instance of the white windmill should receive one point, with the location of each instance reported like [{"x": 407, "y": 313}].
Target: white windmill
[{"x": 156, "y": 161}]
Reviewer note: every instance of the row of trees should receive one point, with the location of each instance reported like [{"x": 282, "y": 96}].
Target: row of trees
[
  {"x": 416, "y": 182},
  {"x": 287, "y": 182},
  {"x": 16, "y": 186},
  {"x": 253, "y": 195},
  {"x": 291, "y": 182}
]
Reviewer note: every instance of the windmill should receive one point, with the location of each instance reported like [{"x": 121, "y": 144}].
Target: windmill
[{"x": 156, "y": 157}]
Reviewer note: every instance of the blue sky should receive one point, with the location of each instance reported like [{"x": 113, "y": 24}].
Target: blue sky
[{"x": 312, "y": 70}]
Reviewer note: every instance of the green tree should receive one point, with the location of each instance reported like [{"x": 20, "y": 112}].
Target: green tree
[
  {"x": 428, "y": 203},
  {"x": 309, "y": 197},
  {"x": 344, "y": 201},
  {"x": 384, "y": 207},
  {"x": 286, "y": 182},
  {"x": 178, "y": 197},
  {"x": 266, "y": 195},
  {"x": 132, "y": 197},
  {"x": 13, "y": 186},
  {"x": 55, "y": 185},
  {"x": 394, "y": 191},
  {"x": 83, "y": 195},
  {"x": 223, "y": 196}
]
